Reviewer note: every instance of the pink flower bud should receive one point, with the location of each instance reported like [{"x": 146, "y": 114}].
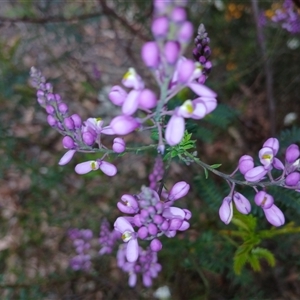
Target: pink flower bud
[
  {"x": 130, "y": 201},
  {"x": 69, "y": 123},
  {"x": 117, "y": 95},
  {"x": 147, "y": 99},
  {"x": 51, "y": 121},
  {"x": 274, "y": 216},
  {"x": 124, "y": 124},
  {"x": 172, "y": 50},
  {"x": 77, "y": 120},
  {"x": 150, "y": 55},
  {"x": 263, "y": 199},
  {"x": 143, "y": 232},
  {"x": 179, "y": 190},
  {"x": 88, "y": 138},
  {"x": 50, "y": 109},
  {"x": 272, "y": 143},
  {"x": 185, "y": 32},
  {"x": 242, "y": 204},
  {"x": 68, "y": 142},
  {"x": 175, "y": 224},
  {"x": 119, "y": 145},
  {"x": 292, "y": 179},
  {"x": 185, "y": 70},
  {"x": 178, "y": 14},
  {"x": 255, "y": 174},
  {"x": 108, "y": 168},
  {"x": 226, "y": 210},
  {"x": 175, "y": 130},
  {"x": 245, "y": 164},
  {"x": 131, "y": 103},
  {"x": 67, "y": 157},
  {"x": 277, "y": 164},
  {"x": 292, "y": 153},
  {"x": 160, "y": 27},
  {"x": 155, "y": 245},
  {"x": 152, "y": 229},
  {"x": 63, "y": 108}
]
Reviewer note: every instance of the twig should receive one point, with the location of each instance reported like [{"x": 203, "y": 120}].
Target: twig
[{"x": 267, "y": 67}]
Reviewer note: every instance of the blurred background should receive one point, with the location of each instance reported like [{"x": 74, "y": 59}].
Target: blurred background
[{"x": 83, "y": 48}]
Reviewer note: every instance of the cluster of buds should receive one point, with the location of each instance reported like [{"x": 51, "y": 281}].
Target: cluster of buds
[
  {"x": 202, "y": 52},
  {"x": 289, "y": 178},
  {"x": 152, "y": 218},
  {"x": 288, "y": 16},
  {"x": 81, "y": 238},
  {"x": 79, "y": 135},
  {"x": 146, "y": 265}
]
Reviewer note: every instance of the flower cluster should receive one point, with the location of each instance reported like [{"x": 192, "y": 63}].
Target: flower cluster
[
  {"x": 81, "y": 238},
  {"x": 152, "y": 218},
  {"x": 288, "y": 15},
  {"x": 202, "y": 52},
  {"x": 289, "y": 178},
  {"x": 146, "y": 264},
  {"x": 78, "y": 135}
]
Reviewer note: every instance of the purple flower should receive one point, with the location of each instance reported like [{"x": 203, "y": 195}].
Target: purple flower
[
  {"x": 179, "y": 190},
  {"x": 175, "y": 130},
  {"x": 93, "y": 165},
  {"x": 66, "y": 157},
  {"x": 132, "y": 80},
  {"x": 272, "y": 143},
  {"x": 128, "y": 205},
  {"x": 123, "y": 124},
  {"x": 266, "y": 157},
  {"x": 292, "y": 153},
  {"x": 117, "y": 95},
  {"x": 292, "y": 179},
  {"x": 150, "y": 55},
  {"x": 246, "y": 163},
  {"x": 226, "y": 210},
  {"x": 255, "y": 174},
  {"x": 129, "y": 237},
  {"x": 264, "y": 200},
  {"x": 274, "y": 216},
  {"x": 119, "y": 145},
  {"x": 147, "y": 99},
  {"x": 241, "y": 203}
]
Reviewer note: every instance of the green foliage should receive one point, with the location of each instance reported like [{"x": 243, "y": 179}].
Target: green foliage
[
  {"x": 248, "y": 251},
  {"x": 289, "y": 136}
]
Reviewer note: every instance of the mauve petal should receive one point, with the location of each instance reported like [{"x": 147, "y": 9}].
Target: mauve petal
[
  {"x": 173, "y": 212},
  {"x": 202, "y": 90},
  {"x": 125, "y": 209},
  {"x": 131, "y": 103},
  {"x": 107, "y": 130},
  {"x": 272, "y": 143},
  {"x": 175, "y": 130},
  {"x": 277, "y": 164},
  {"x": 84, "y": 167},
  {"x": 226, "y": 210},
  {"x": 66, "y": 157},
  {"x": 199, "y": 110},
  {"x": 184, "y": 226},
  {"x": 274, "y": 215},
  {"x": 256, "y": 174},
  {"x": 147, "y": 280},
  {"x": 175, "y": 224},
  {"x": 132, "y": 279},
  {"x": 122, "y": 225},
  {"x": 132, "y": 251},
  {"x": 108, "y": 168},
  {"x": 210, "y": 103},
  {"x": 179, "y": 190}
]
